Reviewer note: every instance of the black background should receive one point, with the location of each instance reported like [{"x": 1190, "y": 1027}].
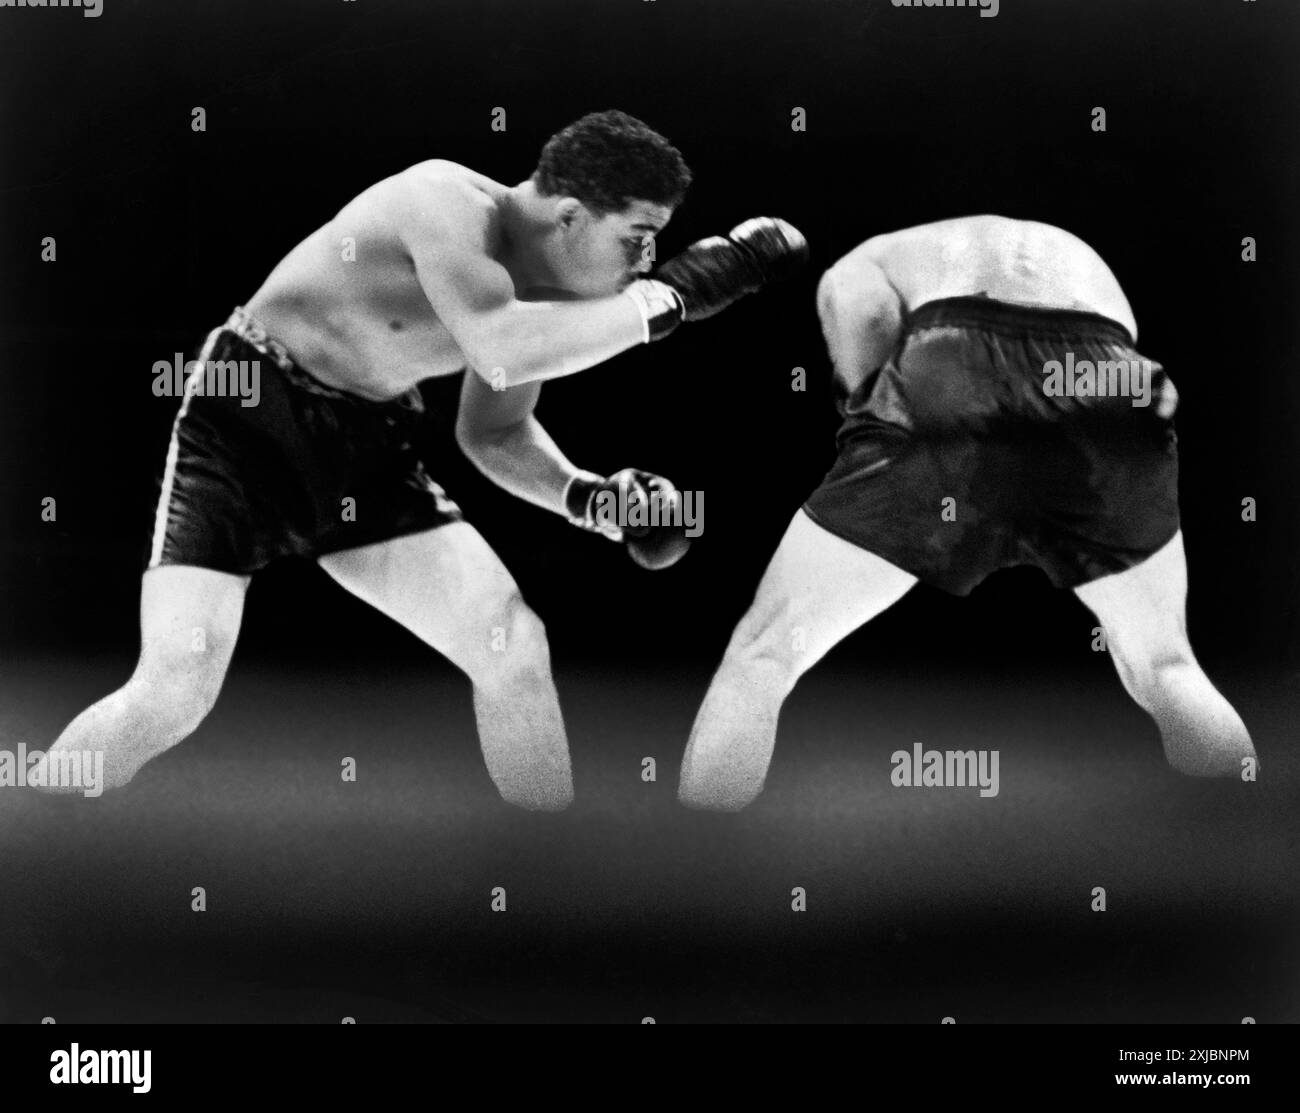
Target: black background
[
  {"x": 913, "y": 115},
  {"x": 371, "y": 899}
]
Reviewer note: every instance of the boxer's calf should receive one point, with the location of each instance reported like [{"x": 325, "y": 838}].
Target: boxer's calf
[
  {"x": 1143, "y": 611},
  {"x": 448, "y": 588},
  {"x": 189, "y": 619},
  {"x": 131, "y": 726},
  {"x": 520, "y": 728}
]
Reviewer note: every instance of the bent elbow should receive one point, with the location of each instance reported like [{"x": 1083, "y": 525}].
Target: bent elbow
[
  {"x": 479, "y": 443},
  {"x": 469, "y": 440},
  {"x": 502, "y": 369}
]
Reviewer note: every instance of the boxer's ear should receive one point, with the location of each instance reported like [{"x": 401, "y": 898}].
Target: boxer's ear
[{"x": 567, "y": 211}]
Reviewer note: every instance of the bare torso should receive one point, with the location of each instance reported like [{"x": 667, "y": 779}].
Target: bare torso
[
  {"x": 1009, "y": 260},
  {"x": 346, "y": 301}
]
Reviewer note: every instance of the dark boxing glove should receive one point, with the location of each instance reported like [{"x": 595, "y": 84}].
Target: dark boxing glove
[
  {"x": 636, "y": 507},
  {"x": 714, "y": 272}
]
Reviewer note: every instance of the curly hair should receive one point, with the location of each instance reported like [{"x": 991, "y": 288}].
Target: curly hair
[{"x": 608, "y": 160}]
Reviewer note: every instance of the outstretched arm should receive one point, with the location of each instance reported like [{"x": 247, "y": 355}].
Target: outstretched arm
[
  {"x": 506, "y": 341},
  {"x": 509, "y": 341}
]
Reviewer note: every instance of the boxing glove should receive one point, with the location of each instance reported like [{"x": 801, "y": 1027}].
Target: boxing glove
[
  {"x": 635, "y": 507},
  {"x": 713, "y": 273}
]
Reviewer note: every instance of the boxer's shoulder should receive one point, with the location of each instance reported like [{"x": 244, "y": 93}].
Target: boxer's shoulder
[
  {"x": 439, "y": 198},
  {"x": 859, "y": 284}
]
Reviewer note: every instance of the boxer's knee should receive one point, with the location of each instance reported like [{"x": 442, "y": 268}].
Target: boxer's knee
[
  {"x": 1148, "y": 667},
  {"x": 515, "y": 643},
  {"x": 770, "y": 645}
]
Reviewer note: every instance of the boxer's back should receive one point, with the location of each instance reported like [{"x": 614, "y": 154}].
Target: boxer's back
[{"x": 1009, "y": 260}]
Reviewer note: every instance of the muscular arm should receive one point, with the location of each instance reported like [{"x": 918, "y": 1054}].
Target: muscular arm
[
  {"x": 496, "y": 429},
  {"x": 861, "y": 315},
  {"x": 506, "y": 341}
]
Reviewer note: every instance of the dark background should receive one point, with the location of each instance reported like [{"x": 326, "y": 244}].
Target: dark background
[{"x": 913, "y": 115}]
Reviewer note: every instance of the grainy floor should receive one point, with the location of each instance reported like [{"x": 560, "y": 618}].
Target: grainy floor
[{"x": 372, "y": 899}]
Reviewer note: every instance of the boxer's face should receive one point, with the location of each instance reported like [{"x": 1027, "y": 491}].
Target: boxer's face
[{"x": 597, "y": 255}]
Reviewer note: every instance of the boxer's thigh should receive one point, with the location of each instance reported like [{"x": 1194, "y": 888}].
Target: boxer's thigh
[
  {"x": 446, "y": 586},
  {"x": 818, "y": 589}
]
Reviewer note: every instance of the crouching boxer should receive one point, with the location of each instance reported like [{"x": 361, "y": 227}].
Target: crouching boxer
[
  {"x": 429, "y": 272},
  {"x": 995, "y": 412}
]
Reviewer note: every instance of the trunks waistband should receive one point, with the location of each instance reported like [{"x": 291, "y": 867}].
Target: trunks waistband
[
  {"x": 978, "y": 311},
  {"x": 244, "y": 325},
  {"x": 249, "y": 330}
]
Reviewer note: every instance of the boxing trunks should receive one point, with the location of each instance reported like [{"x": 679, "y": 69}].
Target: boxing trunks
[
  {"x": 968, "y": 452},
  {"x": 305, "y": 471}
]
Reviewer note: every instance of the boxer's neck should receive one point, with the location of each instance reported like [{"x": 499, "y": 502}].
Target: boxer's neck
[{"x": 528, "y": 219}]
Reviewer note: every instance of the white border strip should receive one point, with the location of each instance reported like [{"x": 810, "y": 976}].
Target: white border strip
[{"x": 173, "y": 450}]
